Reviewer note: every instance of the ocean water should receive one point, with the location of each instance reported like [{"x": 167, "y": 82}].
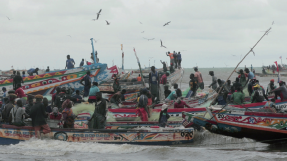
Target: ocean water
[{"x": 206, "y": 146}]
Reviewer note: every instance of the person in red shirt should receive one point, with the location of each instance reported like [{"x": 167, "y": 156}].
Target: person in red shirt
[
  {"x": 163, "y": 82},
  {"x": 180, "y": 104},
  {"x": 21, "y": 94}
]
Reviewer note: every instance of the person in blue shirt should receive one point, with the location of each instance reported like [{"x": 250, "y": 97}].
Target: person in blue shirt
[
  {"x": 23, "y": 74},
  {"x": 82, "y": 63},
  {"x": 31, "y": 71},
  {"x": 78, "y": 97},
  {"x": 4, "y": 93},
  {"x": 70, "y": 63},
  {"x": 93, "y": 91},
  {"x": 250, "y": 77}
]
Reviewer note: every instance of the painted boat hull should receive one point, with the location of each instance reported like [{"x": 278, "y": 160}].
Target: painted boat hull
[
  {"x": 10, "y": 134},
  {"x": 45, "y": 84}
]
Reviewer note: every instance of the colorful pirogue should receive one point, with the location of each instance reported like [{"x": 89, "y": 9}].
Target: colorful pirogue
[
  {"x": 265, "y": 127},
  {"x": 45, "y": 84},
  {"x": 10, "y": 134}
]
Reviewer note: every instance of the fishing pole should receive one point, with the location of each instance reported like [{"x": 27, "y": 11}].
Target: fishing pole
[{"x": 251, "y": 50}]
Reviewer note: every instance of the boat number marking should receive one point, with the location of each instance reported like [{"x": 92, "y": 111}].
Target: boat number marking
[
  {"x": 220, "y": 116},
  {"x": 186, "y": 134}
]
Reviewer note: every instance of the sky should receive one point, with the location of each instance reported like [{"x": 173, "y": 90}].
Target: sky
[{"x": 209, "y": 33}]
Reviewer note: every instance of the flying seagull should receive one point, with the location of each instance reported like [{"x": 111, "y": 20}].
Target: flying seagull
[
  {"x": 149, "y": 39},
  {"x": 70, "y": 36},
  {"x": 140, "y": 22},
  {"x": 166, "y": 23},
  {"x": 161, "y": 44},
  {"x": 233, "y": 55},
  {"x": 98, "y": 14},
  {"x": 142, "y": 32},
  {"x": 94, "y": 19},
  {"x": 96, "y": 41},
  {"x": 8, "y": 18},
  {"x": 108, "y": 23},
  {"x": 273, "y": 23}
]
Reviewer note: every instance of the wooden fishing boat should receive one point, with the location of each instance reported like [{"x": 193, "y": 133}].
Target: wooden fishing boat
[
  {"x": 265, "y": 127},
  {"x": 45, "y": 84},
  {"x": 10, "y": 134}
]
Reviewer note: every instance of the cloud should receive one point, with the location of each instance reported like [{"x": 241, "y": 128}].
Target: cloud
[{"x": 210, "y": 31}]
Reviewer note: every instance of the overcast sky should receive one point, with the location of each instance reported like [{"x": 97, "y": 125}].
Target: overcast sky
[{"x": 211, "y": 31}]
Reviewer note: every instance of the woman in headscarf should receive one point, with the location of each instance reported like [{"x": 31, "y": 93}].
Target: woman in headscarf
[{"x": 68, "y": 115}]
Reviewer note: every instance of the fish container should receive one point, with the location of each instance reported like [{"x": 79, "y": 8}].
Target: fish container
[{"x": 53, "y": 123}]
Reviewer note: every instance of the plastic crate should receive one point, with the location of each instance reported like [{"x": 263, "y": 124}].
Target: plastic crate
[{"x": 53, "y": 123}]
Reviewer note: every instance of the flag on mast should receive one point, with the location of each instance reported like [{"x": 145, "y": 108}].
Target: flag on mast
[{"x": 280, "y": 57}]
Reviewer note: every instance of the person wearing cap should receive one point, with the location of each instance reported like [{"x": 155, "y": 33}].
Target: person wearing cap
[
  {"x": 142, "y": 110},
  {"x": 270, "y": 86},
  {"x": 98, "y": 120},
  {"x": 92, "y": 94},
  {"x": 163, "y": 116},
  {"x": 7, "y": 109},
  {"x": 199, "y": 79},
  {"x": 70, "y": 63},
  {"x": 213, "y": 80},
  {"x": 281, "y": 91},
  {"x": 48, "y": 69},
  {"x": 238, "y": 96},
  {"x": 116, "y": 85},
  {"x": 88, "y": 81},
  {"x": 38, "y": 115},
  {"x": 258, "y": 94}
]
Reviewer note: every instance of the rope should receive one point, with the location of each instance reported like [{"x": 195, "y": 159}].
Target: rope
[{"x": 251, "y": 50}]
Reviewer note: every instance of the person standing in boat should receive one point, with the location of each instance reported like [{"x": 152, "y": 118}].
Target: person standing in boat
[
  {"x": 13, "y": 75},
  {"x": 192, "y": 86},
  {"x": 171, "y": 58},
  {"x": 39, "y": 115},
  {"x": 21, "y": 94},
  {"x": 142, "y": 110},
  {"x": 92, "y": 94},
  {"x": 238, "y": 96},
  {"x": 82, "y": 63},
  {"x": 242, "y": 78},
  {"x": 163, "y": 82},
  {"x": 17, "y": 80},
  {"x": 153, "y": 82},
  {"x": 31, "y": 71},
  {"x": 17, "y": 113},
  {"x": 4, "y": 90},
  {"x": 199, "y": 79},
  {"x": 225, "y": 89},
  {"x": 23, "y": 74},
  {"x": 100, "y": 113},
  {"x": 30, "y": 104},
  {"x": 270, "y": 86},
  {"x": 175, "y": 59},
  {"x": 163, "y": 116},
  {"x": 179, "y": 60},
  {"x": 250, "y": 76},
  {"x": 116, "y": 85},
  {"x": 164, "y": 66},
  {"x": 166, "y": 91},
  {"x": 236, "y": 85},
  {"x": 280, "y": 91},
  {"x": 77, "y": 96},
  {"x": 70, "y": 63},
  {"x": 88, "y": 81},
  {"x": 258, "y": 94},
  {"x": 213, "y": 80},
  {"x": 48, "y": 69},
  {"x": 139, "y": 78},
  {"x": 54, "y": 96}
]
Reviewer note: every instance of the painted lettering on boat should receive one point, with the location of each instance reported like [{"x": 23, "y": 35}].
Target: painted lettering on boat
[
  {"x": 284, "y": 106},
  {"x": 91, "y": 135},
  {"x": 19, "y": 133}
]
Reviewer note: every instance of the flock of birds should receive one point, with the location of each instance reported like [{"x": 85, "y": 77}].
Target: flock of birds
[{"x": 108, "y": 23}]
